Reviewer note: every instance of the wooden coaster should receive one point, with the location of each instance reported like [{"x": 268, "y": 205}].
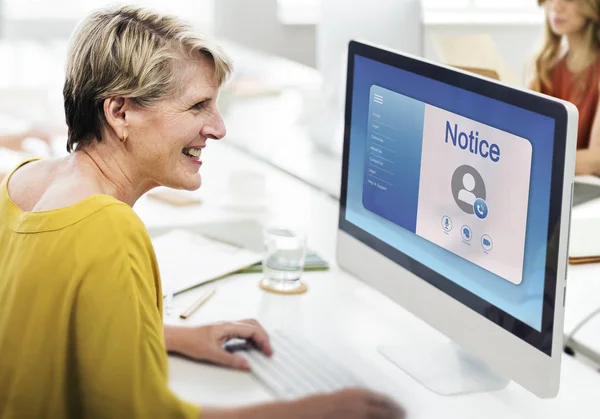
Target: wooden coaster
[{"x": 300, "y": 290}]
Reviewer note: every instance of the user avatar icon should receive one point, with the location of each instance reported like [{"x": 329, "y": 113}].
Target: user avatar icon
[
  {"x": 466, "y": 195},
  {"x": 468, "y": 187}
]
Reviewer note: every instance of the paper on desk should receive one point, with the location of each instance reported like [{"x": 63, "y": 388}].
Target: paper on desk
[
  {"x": 584, "y": 243},
  {"x": 186, "y": 260}
]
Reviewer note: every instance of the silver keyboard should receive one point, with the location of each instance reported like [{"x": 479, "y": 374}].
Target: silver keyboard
[{"x": 297, "y": 368}]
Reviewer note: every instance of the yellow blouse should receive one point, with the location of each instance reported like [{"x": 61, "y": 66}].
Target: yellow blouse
[{"x": 81, "y": 332}]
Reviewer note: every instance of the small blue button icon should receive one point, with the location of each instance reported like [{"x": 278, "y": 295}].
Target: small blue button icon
[
  {"x": 446, "y": 223},
  {"x": 466, "y": 233},
  {"x": 480, "y": 208},
  {"x": 487, "y": 243}
]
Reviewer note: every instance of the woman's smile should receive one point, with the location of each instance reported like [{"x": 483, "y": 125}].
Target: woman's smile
[{"x": 193, "y": 154}]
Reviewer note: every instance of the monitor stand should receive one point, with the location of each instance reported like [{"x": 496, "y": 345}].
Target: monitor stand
[{"x": 444, "y": 368}]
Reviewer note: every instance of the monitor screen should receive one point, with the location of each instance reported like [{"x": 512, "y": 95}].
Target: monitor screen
[{"x": 454, "y": 182}]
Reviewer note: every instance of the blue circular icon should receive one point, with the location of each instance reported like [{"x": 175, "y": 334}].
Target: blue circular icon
[
  {"x": 480, "y": 208},
  {"x": 446, "y": 223},
  {"x": 466, "y": 233},
  {"x": 487, "y": 243}
]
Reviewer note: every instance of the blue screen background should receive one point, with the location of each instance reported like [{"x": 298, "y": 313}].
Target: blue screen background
[
  {"x": 408, "y": 115},
  {"x": 523, "y": 301}
]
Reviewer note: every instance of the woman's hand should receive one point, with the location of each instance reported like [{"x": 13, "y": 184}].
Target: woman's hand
[
  {"x": 205, "y": 342},
  {"x": 344, "y": 404}
]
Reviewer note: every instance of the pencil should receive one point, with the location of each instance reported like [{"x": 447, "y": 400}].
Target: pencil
[{"x": 203, "y": 298}]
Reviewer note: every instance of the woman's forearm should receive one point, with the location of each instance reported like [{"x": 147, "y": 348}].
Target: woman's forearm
[
  {"x": 588, "y": 162},
  {"x": 173, "y": 338}
]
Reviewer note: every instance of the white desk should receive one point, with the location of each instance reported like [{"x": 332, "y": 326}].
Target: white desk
[
  {"x": 339, "y": 312},
  {"x": 350, "y": 320},
  {"x": 583, "y": 291}
]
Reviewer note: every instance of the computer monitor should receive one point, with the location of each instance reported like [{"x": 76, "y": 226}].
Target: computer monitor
[
  {"x": 455, "y": 203},
  {"x": 395, "y": 23}
]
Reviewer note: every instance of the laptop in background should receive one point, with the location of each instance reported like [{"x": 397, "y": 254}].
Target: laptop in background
[{"x": 585, "y": 192}]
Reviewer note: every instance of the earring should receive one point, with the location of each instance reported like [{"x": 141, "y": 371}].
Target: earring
[{"x": 124, "y": 138}]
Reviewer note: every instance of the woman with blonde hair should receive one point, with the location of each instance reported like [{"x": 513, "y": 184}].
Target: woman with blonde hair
[
  {"x": 81, "y": 331},
  {"x": 568, "y": 67}
]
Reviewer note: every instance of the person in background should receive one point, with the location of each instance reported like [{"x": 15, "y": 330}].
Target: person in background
[
  {"x": 15, "y": 141},
  {"x": 81, "y": 331},
  {"x": 568, "y": 67}
]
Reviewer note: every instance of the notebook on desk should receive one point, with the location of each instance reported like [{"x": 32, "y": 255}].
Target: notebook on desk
[
  {"x": 584, "y": 192},
  {"x": 186, "y": 260},
  {"x": 247, "y": 234},
  {"x": 584, "y": 243}
]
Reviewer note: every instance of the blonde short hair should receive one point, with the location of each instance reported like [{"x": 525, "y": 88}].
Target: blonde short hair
[{"x": 129, "y": 52}]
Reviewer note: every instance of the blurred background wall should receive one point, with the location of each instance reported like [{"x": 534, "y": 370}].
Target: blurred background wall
[{"x": 311, "y": 34}]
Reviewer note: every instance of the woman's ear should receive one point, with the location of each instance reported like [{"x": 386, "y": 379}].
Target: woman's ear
[{"x": 115, "y": 112}]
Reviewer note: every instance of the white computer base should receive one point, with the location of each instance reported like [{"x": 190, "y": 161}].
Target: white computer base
[{"x": 445, "y": 368}]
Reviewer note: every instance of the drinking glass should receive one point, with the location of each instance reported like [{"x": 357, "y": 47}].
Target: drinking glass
[{"x": 283, "y": 259}]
